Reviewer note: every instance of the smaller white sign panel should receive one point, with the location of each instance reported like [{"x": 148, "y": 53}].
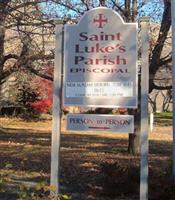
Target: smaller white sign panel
[
  {"x": 110, "y": 123},
  {"x": 99, "y": 89}
]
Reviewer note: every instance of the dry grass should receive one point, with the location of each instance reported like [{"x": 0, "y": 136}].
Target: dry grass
[{"x": 94, "y": 166}]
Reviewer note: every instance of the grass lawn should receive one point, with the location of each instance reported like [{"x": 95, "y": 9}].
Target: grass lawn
[
  {"x": 163, "y": 118},
  {"x": 93, "y": 166}
]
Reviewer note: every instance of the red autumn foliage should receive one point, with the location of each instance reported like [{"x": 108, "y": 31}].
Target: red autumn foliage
[
  {"x": 122, "y": 110},
  {"x": 42, "y": 106},
  {"x": 44, "y": 90}
]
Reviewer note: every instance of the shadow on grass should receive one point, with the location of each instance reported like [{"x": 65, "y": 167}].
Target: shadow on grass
[
  {"x": 23, "y": 136},
  {"x": 92, "y": 167}
]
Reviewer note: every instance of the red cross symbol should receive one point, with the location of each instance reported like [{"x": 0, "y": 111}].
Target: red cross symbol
[{"x": 101, "y": 20}]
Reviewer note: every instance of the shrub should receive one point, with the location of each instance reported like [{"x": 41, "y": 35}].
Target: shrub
[{"x": 43, "y": 104}]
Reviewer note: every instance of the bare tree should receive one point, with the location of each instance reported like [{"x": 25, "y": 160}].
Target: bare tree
[
  {"x": 26, "y": 25},
  {"x": 156, "y": 59},
  {"x": 22, "y": 27}
]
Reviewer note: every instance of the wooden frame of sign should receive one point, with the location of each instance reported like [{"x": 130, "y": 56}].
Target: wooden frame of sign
[{"x": 100, "y": 71}]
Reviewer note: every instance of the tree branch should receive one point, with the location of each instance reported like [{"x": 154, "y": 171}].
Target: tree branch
[
  {"x": 118, "y": 7},
  {"x": 157, "y": 87},
  {"x": 35, "y": 57},
  {"x": 165, "y": 62},
  {"x": 25, "y": 4},
  {"x": 36, "y": 72},
  {"x": 10, "y": 56},
  {"x": 164, "y": 29}
]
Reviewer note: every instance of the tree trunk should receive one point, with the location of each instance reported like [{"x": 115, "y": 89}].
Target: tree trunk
[
  {"x": 163, "y": 33},
  {"x": 3, "y": 5},
  {"x": 134, "y": 10},
  {"x": 102, "y": 2},
  {"x": 2, "y": 35},
  {"x": 134, "y": 139},
  {"x": 128, "y": 10}
]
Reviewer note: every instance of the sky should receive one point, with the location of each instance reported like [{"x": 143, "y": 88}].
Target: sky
[{"x": 152, "y": 8}]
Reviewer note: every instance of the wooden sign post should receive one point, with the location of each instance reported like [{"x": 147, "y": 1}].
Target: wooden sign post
[
  {"x": 56, "y": 125},
  {"x": 144, "y": 21}
]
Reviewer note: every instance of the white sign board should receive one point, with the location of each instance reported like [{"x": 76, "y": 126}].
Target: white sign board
[
  {"x": 111, "y": 123},
  {"x": 100, "y": 55}
]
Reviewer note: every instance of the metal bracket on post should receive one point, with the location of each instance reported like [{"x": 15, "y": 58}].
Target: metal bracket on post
[
  {"x": 56, "y": 121},
  {"x": 144, "y": 23}
]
